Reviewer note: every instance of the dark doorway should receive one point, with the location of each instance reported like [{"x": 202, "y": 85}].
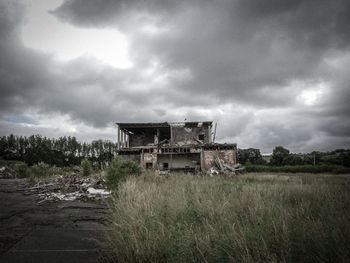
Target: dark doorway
[{"x": 165, "y": 166}]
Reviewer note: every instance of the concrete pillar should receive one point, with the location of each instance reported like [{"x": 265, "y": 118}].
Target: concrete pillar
[
  {"x": 118, "y": 140},
  {"x": 209, "y": 134},
  {"x": 124, "y": 139},
  {"x": 171, "y": 135}
]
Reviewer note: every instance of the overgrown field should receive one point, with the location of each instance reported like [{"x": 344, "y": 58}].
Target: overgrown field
[{"x": 251, "y": 218}]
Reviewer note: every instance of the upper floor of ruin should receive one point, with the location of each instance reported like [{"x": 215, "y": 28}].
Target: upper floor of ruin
[{"x": 132, "y": 135}]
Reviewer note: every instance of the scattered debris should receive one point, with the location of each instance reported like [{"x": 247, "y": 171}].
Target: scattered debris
[
  {"x": 7, "y": 173},
  {"x": 197, "y": 140},
  {"x": 53, "y": 196},
  {"x": 213, "y": 171},
  {"x": 68, "y": 188},
  {"x": 220, "y": 167},
  {"x": 39, "y": 188}
]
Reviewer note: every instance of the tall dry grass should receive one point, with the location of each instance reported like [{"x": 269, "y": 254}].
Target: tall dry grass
[{"x": 252, "y": 218}]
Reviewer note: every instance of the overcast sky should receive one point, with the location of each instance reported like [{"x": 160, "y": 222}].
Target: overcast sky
[{"x": 272, "y": 72}]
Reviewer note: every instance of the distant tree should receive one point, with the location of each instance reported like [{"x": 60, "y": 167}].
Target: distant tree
[
  {"x": 3, "y": 147},
  {"x": 345, "y": 158},
  {"x": 280, "y": 156},
  {"x": 294, "y": 159},
  {"x": 63, "y": 151},
  {"x": 251, "y": 156}
]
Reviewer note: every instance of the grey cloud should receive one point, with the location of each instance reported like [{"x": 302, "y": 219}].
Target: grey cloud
[
  {"x": 11, "y": 14},
  {"x": 242, "y": 53},
  {"x": 33, "y": 81},
  {"x": 114, "y": 13}
]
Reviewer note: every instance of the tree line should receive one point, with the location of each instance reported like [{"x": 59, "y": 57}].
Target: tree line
[
  {"x": 64, "y": 151},
  {"x": 282, "y": 156}
]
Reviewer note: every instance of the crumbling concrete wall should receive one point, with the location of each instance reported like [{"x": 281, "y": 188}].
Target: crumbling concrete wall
[
  {"x": 184, "y": 135},
  {"x": 149, "y": 160},
  {"x": 208, "y": 156}
]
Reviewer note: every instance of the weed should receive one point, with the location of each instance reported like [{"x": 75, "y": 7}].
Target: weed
[{"x": 86, "y": 167}]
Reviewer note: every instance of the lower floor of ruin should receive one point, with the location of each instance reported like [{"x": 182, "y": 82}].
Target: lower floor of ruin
[{"x": 184, "y": 158}]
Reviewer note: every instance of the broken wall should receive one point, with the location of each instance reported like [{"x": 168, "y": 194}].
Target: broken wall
[
  {"x": 149, "y": 160},
  {"x": 208, "y": 156},
  {"x": 185, "y": 134}
]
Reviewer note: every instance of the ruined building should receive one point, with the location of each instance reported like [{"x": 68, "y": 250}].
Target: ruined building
[{"x": 184, "y": 146}]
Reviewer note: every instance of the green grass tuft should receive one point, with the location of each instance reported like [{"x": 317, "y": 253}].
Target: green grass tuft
[{"x": 86, "y": 167}]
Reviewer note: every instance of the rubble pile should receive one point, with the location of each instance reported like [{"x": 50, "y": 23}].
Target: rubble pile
[
  {"x": 220, "y": 167},
  {"x": 68, "y": 188},
  {"x": 7, "y": 173}
]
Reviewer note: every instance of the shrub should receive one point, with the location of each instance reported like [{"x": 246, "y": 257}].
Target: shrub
[
  {"x": 22, "y": 170},
  {"x": 40, "y": 170},
  {"x": 119, "y": 169},
  {"x": 44, "y": 170},
  {"x": 86, "y": 167}
]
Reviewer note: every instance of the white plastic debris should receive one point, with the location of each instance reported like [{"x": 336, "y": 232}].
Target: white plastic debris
[{"x": 94, "y": 191}]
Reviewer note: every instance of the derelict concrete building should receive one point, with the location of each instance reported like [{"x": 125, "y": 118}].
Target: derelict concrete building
[{"x": 163, "y": 146}]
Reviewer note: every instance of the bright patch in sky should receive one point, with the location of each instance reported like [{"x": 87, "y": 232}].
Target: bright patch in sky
[
  {"x": 311, "y": 97},
  {"x": 311, "y": 93},
  {"x": 44, "y": 32}
]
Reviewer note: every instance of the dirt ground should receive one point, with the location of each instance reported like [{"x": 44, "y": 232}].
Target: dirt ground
[{"x": 52, "y": 231}]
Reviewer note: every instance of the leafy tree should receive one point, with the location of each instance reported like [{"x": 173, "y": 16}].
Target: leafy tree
[
  {"x": 251, "y": 156},
  {"x": 280, "y": 156},
  {"x": 294, "y": 159}
]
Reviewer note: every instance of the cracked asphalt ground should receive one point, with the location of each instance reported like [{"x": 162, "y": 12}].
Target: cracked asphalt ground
[{"x": 53, "y": 231}]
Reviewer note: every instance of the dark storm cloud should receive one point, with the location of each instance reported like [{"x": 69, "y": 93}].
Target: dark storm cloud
[
  {"x": 252, "y": 58},
  {"x": 316, "y": 23},
  {"x": 17, "y": 74},
  {"x": 245, "y": 51},
  {"x": 236, "y": 50},
  {"x": 113, "y": 13},
  {"x": 32, "y": 80},
  {"x": 11, "y": 14}
]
